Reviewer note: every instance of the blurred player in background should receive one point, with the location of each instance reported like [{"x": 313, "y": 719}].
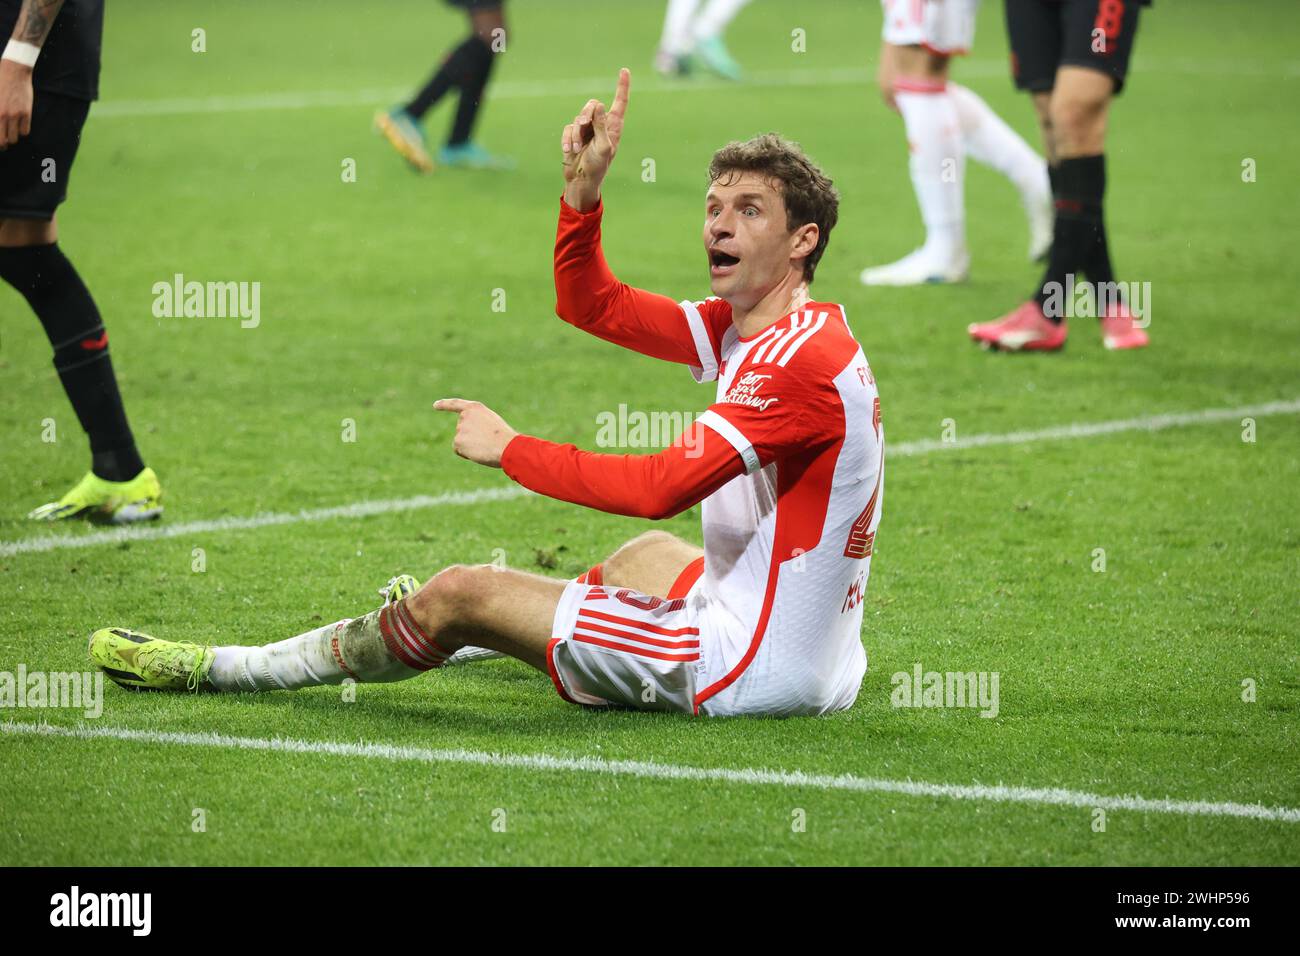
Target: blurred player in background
[
  {"x": 467, "y": 67},
  {"x": 1072, "y": 57},
  {"x": 49, "y": 75},
  {"x": 788, "y": 462},
  {"x": 688, "y": 38},
  {"x": 945, "y": 123}
]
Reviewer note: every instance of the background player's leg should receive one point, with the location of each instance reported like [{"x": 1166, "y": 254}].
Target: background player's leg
[
  {"x": 937, "y": 163},
  {"x": 707, "y": 32},
  {"x": 31, "y": 262},
  {"x": 989, "y": 140},
  {"x": 1078, "y": 111},
  {"x": 489, "y": 26},
  {"x": 1043, "y": 112},
  {"x": 673, "y": 57}
]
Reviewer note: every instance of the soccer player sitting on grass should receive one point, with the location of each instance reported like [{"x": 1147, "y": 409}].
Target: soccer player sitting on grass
[{"x": 788, "y": 463}]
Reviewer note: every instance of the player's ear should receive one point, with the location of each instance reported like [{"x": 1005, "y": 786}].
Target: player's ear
[{"x": 804, "y": 240}]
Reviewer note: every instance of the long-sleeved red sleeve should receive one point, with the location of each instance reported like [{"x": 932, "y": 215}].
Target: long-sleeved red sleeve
[
  {"x": 588, "y": 296},
  {"x": 640, "y": 486}
]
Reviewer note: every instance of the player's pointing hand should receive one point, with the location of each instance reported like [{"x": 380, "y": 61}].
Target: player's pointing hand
[
  {"x": 481, "y": 434},
  {"x": 591, "y": 140}
]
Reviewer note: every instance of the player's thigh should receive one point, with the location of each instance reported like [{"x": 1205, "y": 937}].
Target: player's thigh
[
  {"x": 486, "y": 606},
  {"x": 1035, "y": 33},
  {"x": 486, "y": 18},
  {"x": 651, "y": 563}
]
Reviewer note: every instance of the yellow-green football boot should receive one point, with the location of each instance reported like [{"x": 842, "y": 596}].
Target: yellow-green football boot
[
  {"x": 402, "y": 586},
  {"x": 117, "y": 502},
  {"x": 139, "y": 662},
  {"x": 403, "y": 133}
]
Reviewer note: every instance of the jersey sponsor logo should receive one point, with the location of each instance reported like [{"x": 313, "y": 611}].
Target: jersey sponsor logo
[
  {"x": 745, "y": 392},
  {"x": 857, "y": 592}
]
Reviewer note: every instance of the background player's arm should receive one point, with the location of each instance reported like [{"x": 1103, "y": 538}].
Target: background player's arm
[{"x": 34, "y": 21}]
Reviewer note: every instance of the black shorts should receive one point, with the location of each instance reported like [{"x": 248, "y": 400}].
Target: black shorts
[
  {"x": 471, "y": 5},
  {"x": 1046, "y": 34},
  {"x": 34, "y": 171}
]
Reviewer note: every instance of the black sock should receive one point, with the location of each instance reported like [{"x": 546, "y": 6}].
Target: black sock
[
  {"x": 1052, "y": 177},
  {"x": 1080, "y": 183},
  {"x": 473, "y": 82},
  {"x": 1097, "y": 265},
  {"x": 61, "y": 301},
  {"x": 450, "y": 72}
]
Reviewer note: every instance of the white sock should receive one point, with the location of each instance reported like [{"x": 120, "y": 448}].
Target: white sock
[
  {"x": 989, "y": 140},
  {"x": 351, "y": 648},
  {"x": 302, "y": 661},
  {"x": 938, "y": 163},
  {"x": 677, "y": 26},
  {"x": 713, "y": 21}
]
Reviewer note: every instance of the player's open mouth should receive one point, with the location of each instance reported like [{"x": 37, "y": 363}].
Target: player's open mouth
[{"x": 720, "y": 263}]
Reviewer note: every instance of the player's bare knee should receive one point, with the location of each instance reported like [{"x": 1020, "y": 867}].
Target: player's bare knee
[
  {"x": 1077, "y": 123},
  {"x": 451, "y": 593}
]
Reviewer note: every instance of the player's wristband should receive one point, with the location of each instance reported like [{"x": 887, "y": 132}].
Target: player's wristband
[{"x": 21, "y": 52}]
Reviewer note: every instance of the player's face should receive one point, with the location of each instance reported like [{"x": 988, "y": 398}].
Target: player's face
[{"x": 745, "y": 238}]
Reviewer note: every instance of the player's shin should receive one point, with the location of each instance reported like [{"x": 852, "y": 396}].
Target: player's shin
[{"x": 383, "y": 646}]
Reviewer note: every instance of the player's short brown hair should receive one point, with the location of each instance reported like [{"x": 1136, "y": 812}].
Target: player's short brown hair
[{"x": 808, "y": 193}]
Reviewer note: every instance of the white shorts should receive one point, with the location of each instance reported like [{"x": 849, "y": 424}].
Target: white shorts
[
  {"x": 941, "y": 26},
  {"x": 613, "y": 646}
]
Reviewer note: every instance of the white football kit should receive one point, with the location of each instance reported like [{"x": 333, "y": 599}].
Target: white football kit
[
  {"x": 941, "y": 26},
  {"x": 773, "y": 623}
]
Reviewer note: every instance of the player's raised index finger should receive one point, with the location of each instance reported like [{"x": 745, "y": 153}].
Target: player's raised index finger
[
  {"x": 451, "y": 405},
  {"x": 620, "y": 94}
]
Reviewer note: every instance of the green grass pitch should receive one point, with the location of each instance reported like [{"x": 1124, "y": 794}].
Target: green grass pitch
[{"x": 377, "y": 298}]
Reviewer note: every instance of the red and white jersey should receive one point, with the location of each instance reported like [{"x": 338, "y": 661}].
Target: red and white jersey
[
  {"x": 787, "y": 545},
  {"x": 788, "y": 462}
]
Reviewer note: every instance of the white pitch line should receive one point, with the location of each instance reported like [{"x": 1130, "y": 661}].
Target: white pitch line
[
  {"x": 1147, "y": 423},
  {"x": 364, "y": 509},
  {"x": 358, "y": 509},
  {"x": 532, "y": 89},
  {"x": 1047, "y": 796},
  {"x": 506, "y": 90}
]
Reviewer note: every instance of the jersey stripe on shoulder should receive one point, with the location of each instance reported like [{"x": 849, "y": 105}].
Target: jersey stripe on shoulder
[{"x": 807, "y": 334}]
